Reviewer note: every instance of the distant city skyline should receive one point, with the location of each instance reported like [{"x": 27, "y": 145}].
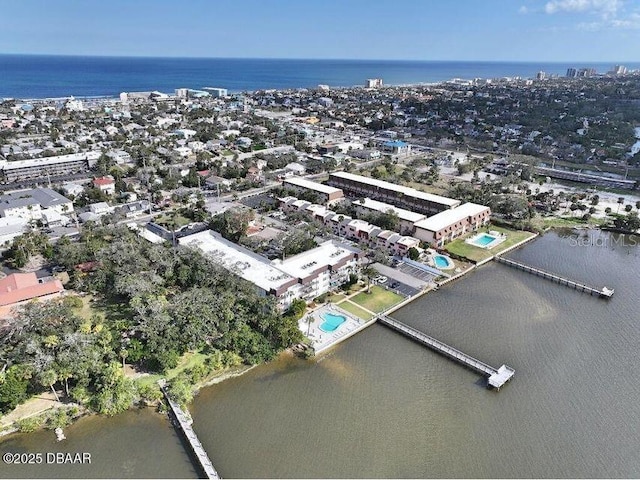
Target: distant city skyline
[{"x": 469, "y": 30}]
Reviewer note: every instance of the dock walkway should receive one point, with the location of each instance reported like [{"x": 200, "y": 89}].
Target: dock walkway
[
  {"x": 184, "y": 423},
  {"x": 497, "y": 376},
  {"x": 603, "y": 292}
]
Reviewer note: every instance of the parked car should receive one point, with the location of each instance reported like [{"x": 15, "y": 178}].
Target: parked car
[{"x": 380, "y": 279}]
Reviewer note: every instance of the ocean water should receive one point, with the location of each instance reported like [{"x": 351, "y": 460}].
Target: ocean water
[
  {"x": 44, "y": 76},
  {"x": 382, "y": 406}
]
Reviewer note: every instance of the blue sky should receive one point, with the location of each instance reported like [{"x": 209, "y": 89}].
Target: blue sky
[{"x": 509, "y": 30}]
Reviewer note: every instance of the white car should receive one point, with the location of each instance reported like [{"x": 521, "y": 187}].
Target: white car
[{"x": 380, "y": 279}]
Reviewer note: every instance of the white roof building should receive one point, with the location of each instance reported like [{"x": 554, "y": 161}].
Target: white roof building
[{"x": 306, "y": 275}]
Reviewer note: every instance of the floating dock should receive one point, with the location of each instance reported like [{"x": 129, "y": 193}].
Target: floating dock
[
  {"x": 497, "y": 377},
  {"x": 183, "y": 422},
  {"x": 603, "y": 292}
]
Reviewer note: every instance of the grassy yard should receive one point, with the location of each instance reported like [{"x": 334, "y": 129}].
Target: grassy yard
[
  {"x": 336, "y": 298},
  {"x": 471, "y": 252},
  {"x": 378, "y": 300},
  {"x": 477, "y": 254},
  {"x": 188, "y": 360},
  {"x": 513, "y": 237},
  {"x": 570, "y": 222},
  {"x": 166, "y": 221},
  {"x": 355, "y": 310}
]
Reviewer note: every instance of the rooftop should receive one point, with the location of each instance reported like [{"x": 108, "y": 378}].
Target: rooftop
[
  {"x": 259, "y": 270},
  {"x": 19, "y": 287},
  {"x": 326, "y": 254},
  {"x": 41, "y": 162},
  {"x": 254, "y": 268},
  {"x": 308, "y": 184},
  {"x": 45, "y": 197},
  {"x": 444, "y": 219},
  {"x": 382, "y": 207},
  {"x": 408, "y": 191}
]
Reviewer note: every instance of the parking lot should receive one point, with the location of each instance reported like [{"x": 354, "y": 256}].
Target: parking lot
[
  {"x": 416, "y": 272},
  {"x": 399, "y": 287}
]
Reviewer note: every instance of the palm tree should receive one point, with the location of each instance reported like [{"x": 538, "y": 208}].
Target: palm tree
[
  {"x": 369, "y": 272},
  {"x": 48, "y": 378}
]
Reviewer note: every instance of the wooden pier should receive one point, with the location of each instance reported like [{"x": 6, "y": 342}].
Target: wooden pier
[
  {"x": 497, "y": 377},
  {"x": 183, "y": 423},
  {"x": 603, "y": 292}
]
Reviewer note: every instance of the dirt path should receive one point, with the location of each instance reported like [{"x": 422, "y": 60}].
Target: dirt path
[{"x": 30, "y": 408}]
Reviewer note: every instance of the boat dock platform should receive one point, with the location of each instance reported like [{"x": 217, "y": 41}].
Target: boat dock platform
[
  {"x": 603, "y": 292},
  {"x": 183, "y": 422},
  {"x": 497, "y": 377}
]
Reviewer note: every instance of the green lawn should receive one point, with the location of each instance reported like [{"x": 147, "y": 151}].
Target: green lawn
[
  {"x": 188, "y": 360},
  {"x": 477, "y": 254},
  {"x": 513, "y": 237},
  {"x": 355, "y": 310},
  {"x": 166, "y": 221},
  {"x": 570, "y": 222},
  {"x": 378, "y": 300},
  {"x": 336, "y": 297}
]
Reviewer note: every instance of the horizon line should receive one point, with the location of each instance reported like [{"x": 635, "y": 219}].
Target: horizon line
[{"x": 197, "y": 57}]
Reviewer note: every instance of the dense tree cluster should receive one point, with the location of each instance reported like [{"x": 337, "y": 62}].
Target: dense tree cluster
[{"x": 165, "y": 301}]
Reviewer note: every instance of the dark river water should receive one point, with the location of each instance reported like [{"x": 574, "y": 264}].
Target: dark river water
[{"x": 380, "y": 405}]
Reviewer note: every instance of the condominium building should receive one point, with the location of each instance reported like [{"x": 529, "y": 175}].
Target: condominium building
[
  {"x": 406, "y": 218},
  {"x": 30, "y": 204},
  {"x": 328, "y": 195},
  {"x": 447, "y": 225},
  {"x": 40, "y": 168},
  {"x": 306, "y": 275},
  {"x": 397, "y": 195}
]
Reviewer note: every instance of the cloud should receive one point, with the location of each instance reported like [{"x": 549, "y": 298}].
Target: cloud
[
  {"x": 603, "y": 8},
  {"x": 523, "y": 10},
  {"x": 604, "y": 13}
]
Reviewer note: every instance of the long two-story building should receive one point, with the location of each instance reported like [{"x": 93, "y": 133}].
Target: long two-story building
[
  {"x": 397, "y": 195},
  {"x": 450, "y": 224},
  {"x": 306, "y": 275}
]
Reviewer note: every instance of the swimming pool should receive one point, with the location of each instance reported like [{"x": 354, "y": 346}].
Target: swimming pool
[
  {"x": 331, "y": 322},
  {"x": 484, "y": 240},
  {"x": 442, "y": 262}
]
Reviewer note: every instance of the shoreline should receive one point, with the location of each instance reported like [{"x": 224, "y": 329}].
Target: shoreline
[{"x": 220, "y": 377}]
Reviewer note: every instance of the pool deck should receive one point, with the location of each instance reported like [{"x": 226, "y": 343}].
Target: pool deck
[
  {"x": 321, "y": 340},
  {"x": 497, "y": 240}
]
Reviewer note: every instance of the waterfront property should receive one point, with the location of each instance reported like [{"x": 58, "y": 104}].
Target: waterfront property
[
  {"x": 487, "y": 239},
  {"x": 474, "y": 253},
  {"x": 330, "y": 324},
  {"x": 306, "y": 275},
  {"x": 397, "y": 195},
  {"x": 406, "y": 218},
  {"x": 377, "y": 299},
  {"x": 450, "y": 224},
  {"x": 442, "y": 262}
]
